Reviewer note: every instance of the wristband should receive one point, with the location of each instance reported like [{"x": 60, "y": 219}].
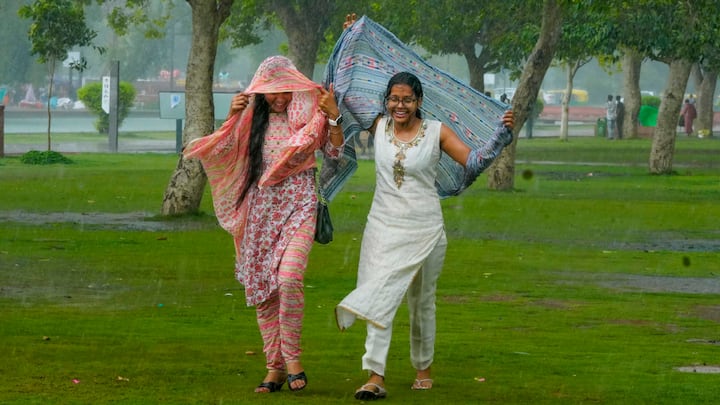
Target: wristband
[{"x": 335, "y": 122}]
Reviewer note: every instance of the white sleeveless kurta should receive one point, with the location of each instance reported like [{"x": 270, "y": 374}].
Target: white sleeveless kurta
[{"x": 403, "y": 227}]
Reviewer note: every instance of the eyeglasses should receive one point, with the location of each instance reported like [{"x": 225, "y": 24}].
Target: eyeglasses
[{"x": 394, "y": 100}]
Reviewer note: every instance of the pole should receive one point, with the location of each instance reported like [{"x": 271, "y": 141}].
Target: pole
[
  {"x": 2, "y": 130},
  {"x": 113, "y": 119},
  {"x": 178, "y": 135}
]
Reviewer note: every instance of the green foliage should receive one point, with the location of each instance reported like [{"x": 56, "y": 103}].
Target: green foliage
[
  {"x": 57, "y": 26},
  {"x": 49, "y": 157},
  {"x": 91, "y": 95},
  {"x": 653, "y": 101},
  {"x": 16, "y": 65}
]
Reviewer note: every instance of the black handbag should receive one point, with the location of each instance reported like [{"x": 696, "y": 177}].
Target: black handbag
[{"x": 323, "y": 224}]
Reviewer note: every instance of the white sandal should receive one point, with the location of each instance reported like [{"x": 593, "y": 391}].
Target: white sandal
[{"x": 422, "y": 384}]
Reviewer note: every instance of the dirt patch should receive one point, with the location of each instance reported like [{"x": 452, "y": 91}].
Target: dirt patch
[
  {"x": 710, "y": 312},
  {"x": 131, "y": 221},
  {"x": 699, "y": 369},
  {"x": 652, "y": 284}
]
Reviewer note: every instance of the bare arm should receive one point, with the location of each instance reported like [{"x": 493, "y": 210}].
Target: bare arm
[{"x": 451, "y": 143}]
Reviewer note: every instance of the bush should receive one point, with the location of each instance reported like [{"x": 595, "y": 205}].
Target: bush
[
  {"x": 91, "y": 95},
  {"x": 49, "y": 157},
  {"x": 653, "y": 101}
]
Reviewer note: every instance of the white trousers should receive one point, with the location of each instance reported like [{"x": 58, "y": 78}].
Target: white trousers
[{"x": 421, "y": 307}]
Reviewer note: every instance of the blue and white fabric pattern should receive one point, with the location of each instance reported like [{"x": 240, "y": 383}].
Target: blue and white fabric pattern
[{"x": 364, "y": 59}]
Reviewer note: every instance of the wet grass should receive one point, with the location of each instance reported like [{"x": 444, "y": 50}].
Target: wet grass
[
  {"x": 41, "y": 138},
  {"x": 586, "y": 284}
]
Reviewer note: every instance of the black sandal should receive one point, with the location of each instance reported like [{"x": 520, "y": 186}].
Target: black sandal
[
  {"x": 297, "y": 377},
  {"x": 270, "y": 386}
]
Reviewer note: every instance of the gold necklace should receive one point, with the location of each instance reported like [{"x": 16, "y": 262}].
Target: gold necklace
[{"x": 402, "y": 147}]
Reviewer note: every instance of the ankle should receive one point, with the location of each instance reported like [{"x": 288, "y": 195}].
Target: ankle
[
  {"x": 376, "y": 379},
  {"x": 294, "y": 367},
  {"x": 423, "y": 374}
]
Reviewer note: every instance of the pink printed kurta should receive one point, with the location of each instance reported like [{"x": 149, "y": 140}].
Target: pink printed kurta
[
  {"x": 275, "y": 213},
  {"x": 264, "y": 222}
]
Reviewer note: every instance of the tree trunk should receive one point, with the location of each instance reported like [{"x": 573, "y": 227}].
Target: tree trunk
[
  {"x": 501, "y": 174},
  {"x": 632, "y": 63},
  {"x": 704, "y": 103},
  {"x": 663, "y": 144},
  {"x": 187, "y": 184},
  {"x": 49, "y": 97},
  {"x": 305, "y": 25},
  {"x": 476, "y": 69},
  {"x": 565, "y": 103}
]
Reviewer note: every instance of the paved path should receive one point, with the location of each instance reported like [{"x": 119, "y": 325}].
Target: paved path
[{"x": 35, "y": 122}]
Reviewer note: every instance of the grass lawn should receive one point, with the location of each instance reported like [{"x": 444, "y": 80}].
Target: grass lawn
[{"x": 592, "y": 282}]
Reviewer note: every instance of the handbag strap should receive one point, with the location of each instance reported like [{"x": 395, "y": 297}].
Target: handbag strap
[{"x": 319, "y": 190}]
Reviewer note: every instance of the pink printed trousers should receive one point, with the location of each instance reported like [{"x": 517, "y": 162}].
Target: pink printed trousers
[{"x": 280, "y": 317}]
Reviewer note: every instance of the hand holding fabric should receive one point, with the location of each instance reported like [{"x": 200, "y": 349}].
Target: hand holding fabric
[
  {"x": 238, "y": 104},
  {"x": 327, "y": 102},
  {"x": 480, "y": 159},
  {"x": 349, "y": 20}
]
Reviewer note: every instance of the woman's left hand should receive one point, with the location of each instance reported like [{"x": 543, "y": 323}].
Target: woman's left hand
[
  {"x": 508, "y": 120},
  {"x": 327, "y": 102}
]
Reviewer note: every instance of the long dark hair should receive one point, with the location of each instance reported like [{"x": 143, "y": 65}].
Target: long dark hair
[
  {"x": 409, "y": 79},
  {"x": 260, "y": 120}
]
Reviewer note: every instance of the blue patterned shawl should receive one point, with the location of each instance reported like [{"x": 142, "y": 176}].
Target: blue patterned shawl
[{"x": 364, "y": 59}]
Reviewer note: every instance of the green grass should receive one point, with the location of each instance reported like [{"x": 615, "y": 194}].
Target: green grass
[
  {"x": 583, "y": 285},
  {"x": 41, "y": 138}
]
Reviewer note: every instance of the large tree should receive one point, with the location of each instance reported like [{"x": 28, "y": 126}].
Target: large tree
[
  {"x": 661, "y": 30},
  {"x": 704, "y": 75},
  {"x": 501, "y": 175},
  {"x": 631, "y": 66},
  {"x": 187, "y": 183},
  {"x": 305, "y": 23}
]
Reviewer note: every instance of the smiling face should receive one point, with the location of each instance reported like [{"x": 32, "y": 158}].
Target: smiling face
[
  {"x": 278, "y": 101},
  {"x": 402, "y": 103}
]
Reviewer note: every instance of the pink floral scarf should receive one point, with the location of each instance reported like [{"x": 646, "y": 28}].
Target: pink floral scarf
[{"x": 224, "y": 153}]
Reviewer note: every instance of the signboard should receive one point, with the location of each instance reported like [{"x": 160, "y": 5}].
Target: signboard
[
  {"x": 172, "y": 104},
  {"x": 106, "y": 94}
]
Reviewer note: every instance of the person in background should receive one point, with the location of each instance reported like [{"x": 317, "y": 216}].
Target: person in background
[
  {"x": 689, "y": 113},
  {"x": 260, "y": 165},
  {"x": 611, "y": 116},
  {"x": 619, "y": 115}
]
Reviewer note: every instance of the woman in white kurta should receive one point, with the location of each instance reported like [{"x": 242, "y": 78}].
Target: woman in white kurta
[{"x": 403, "y": 246}]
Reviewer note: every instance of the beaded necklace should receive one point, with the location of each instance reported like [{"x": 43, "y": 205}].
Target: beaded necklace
[{"x": 402, "y": 147}]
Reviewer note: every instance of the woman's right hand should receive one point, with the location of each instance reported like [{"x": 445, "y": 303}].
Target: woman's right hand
[
  {"x": 349, "y": 20},
  {"x": 238, "y": 103}
]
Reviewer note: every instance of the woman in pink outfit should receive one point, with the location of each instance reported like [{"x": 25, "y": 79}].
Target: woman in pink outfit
[{"x": 260, "y": 165}]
